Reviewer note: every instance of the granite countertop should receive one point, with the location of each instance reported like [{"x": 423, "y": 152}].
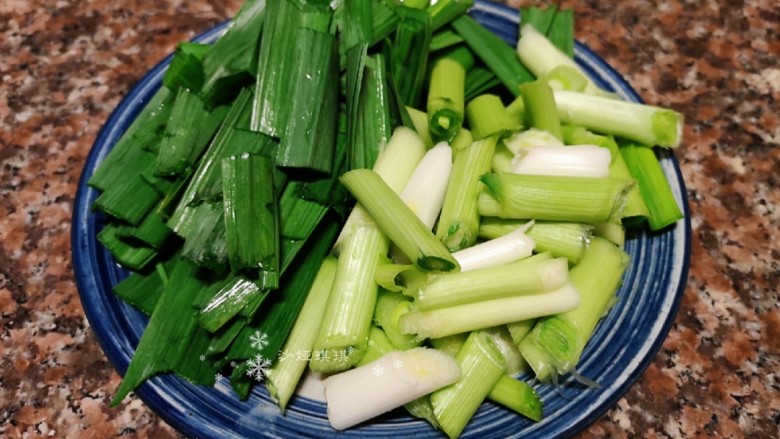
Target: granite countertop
[{"x": 65, "y": 65}]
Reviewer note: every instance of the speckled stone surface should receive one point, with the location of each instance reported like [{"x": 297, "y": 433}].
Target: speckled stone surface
[{"x": 65, "y": 64}]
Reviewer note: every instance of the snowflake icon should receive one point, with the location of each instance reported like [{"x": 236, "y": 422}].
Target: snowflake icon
[
  {"x": 397, "y": 364},
  {"x": 218, "y": 376},
  {"x": 258, "y": 367},
  {"x": 377, "y": 370},
  {"x": 258, "y": 340}
]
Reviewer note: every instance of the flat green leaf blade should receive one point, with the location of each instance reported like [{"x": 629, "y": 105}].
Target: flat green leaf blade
[
  {"x": 251, "y": 218},
  {"x": 277, "y": 316},
  {"x": 172, "y": 341},
  {"x": 499, "y": 56},
  {"x": 310, "y": 136}
]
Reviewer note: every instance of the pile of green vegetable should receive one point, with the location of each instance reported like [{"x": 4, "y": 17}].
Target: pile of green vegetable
[{"x": 282, "y": 194}]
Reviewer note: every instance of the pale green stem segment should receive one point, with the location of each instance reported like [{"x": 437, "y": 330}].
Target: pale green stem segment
[
  {"x": 518, "y": 396},
  {"x": 462, "y": 140},
  {"x": 502, "y": 158},
  {"x": 343, "y": 335},
  {"x": 635, "y": 209},
  {"x": 558, "y": 341},
  {"x": 653, "y": 185},
  {"x": 612, "y": 232},
  {"x": 459, "y": 222},
  {"x": 481, "y": 365},
  {"x": 642, "y": 123},
  {"x": 503, "y": 340},
  {"x": 398, "y": 221},
  {"x": 516, "y": 112},
  {"x": 553, "y": 198},
  {"x": 511, "y": 247},
  {"x": 488, "y": 313},
  {"x": 378, "y": 345},
  {"x": 360, "y": 247},
  {"x": 390, "y": 306},
  {"x": 446, "y": 99},
  {"x": 566, "y": 78},
  {"x": 487, "y": 116},
  {"x": 283, "y": 377},
  {"x": 420, "y": 122},
  {"x": 444, "y": 11},
  {"x": 450, "y": 344},
  {"x": 509, "y": 392},
  {"x": 518, "y": 330},
  {"x": 508, "y": 280},
  {"x": 539, "y": 106}
]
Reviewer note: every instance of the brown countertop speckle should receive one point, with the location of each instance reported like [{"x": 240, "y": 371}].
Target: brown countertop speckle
[{"x": 65, "y": 65}]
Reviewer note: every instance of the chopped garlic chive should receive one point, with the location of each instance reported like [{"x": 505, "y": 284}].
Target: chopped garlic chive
[
  {"x": 343, "y": 335},
  {"x": 378, "y": 345}
]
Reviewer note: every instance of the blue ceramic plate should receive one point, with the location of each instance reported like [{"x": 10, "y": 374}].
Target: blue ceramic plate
[{"x": 623, "y": 345}]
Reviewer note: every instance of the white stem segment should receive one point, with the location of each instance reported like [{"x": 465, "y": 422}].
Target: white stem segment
[
  {"x": 571, "y": 161},
  {"x": 424, "y": 192},
  {"x": 511, "y": 247},
  {"x": 391, "y": 381},
  {"x": 541, "y": 57},
  {"x": 480, "y": 315}
]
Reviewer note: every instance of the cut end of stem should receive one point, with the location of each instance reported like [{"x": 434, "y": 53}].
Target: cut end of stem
[
  {"x": 435, "y": 263},
  {"x": 668, "y": 128}
]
